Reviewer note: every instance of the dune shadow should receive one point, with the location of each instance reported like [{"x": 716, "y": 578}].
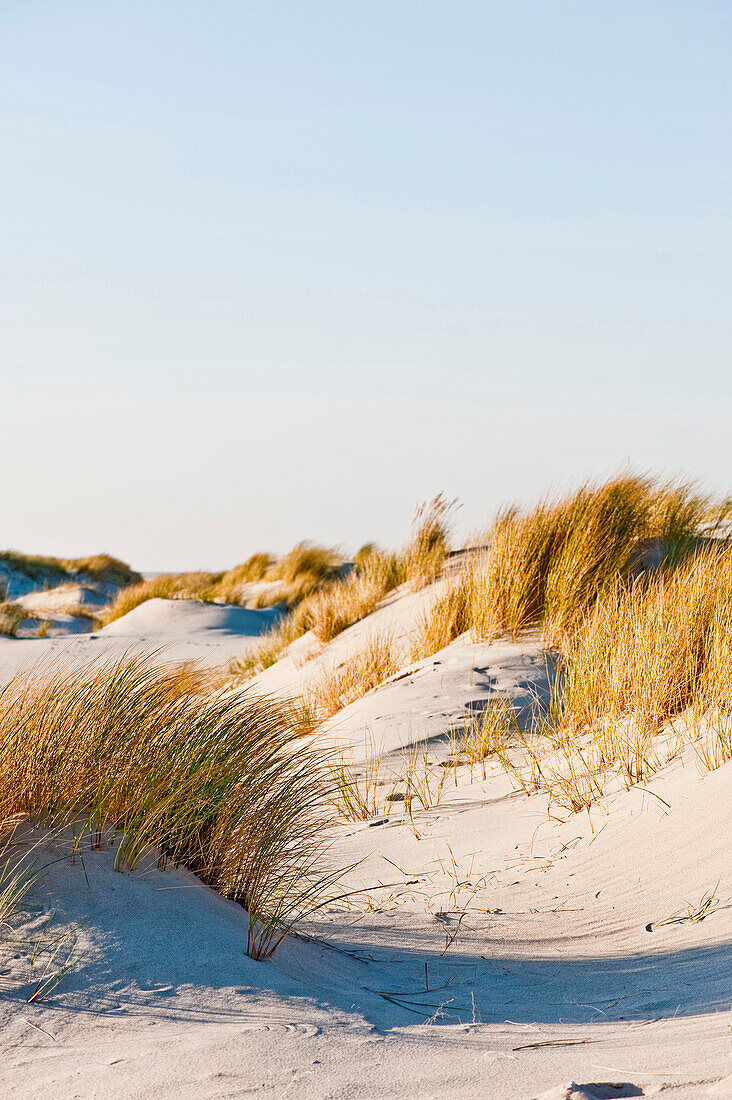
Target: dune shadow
[
  {"x": 447, "y": 987},
  {"x": 390, "y": 985}
]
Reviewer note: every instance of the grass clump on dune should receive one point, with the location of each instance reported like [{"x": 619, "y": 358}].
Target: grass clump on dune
[
  {"x": 100, "y": 567},
  {"x": 335, "y": 608},
  {"x": 306, "y": 568},
  {"x": 646, "y": 656},
  {"x": 550, "y": 566},
  {"x": 376, "y": 662},
  {"x": 338, "y": 601},
  {"x": 217, "y": 781},
  {"x": 423, "y": 559},
  {"x": 11, "y": 615},
  {"x": 297, "y": 575},
  {"x": 448, "y": 617},
  {"x": 648, "y": 672},
  {"x": 547, "y": 567}
]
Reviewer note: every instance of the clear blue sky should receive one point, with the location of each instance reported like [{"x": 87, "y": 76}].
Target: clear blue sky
[{"x": 279, "y": 270}]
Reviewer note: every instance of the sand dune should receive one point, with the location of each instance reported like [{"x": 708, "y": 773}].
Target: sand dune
[
  {"x": 181, "y": 630},
  {"x": 487, "y": 947},
  {"x": 191, "y": 619}
]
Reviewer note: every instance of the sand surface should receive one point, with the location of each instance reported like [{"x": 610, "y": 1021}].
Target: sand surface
[
  {"x": 486, "y": 948},
  {"x": 178, "y": 630}
]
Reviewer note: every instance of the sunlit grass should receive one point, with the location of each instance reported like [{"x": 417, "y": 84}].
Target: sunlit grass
[
  {"x": 218, "y": 781},
  {"x": 375, "y": 662},
  {"x": 290, "y": 580},
  {"x": 424, "y": 557},
  {"x": 546, "y": 568}
]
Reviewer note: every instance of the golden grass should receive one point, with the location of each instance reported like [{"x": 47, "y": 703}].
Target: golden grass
[
  {"x": 424, "y": 557},
  {"x": 548, "y": 567},
  {"x": 648, "y": 655},
  {"x": 293, "y": 578},
  {"x": 649, "y": 671},
  {"x": 334, "y": 609},
  {"x": 449, "y": 616},
  {"x": 218, "y": 781},
  {"x": 376, "y": 662},
  {"x": 99, "y": 567},
  {"x": 304, "y": 569}
]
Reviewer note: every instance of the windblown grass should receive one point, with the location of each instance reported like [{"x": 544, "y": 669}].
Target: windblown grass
[
  {"x": 218, "y": 781},
  {"x": 649, "y": 656},
  {"x": 377, "y": 661},
  {"x": 548, "y": 567},
  {"x": 449, "y": 616},
  {"x": 306, "y": 568},
  {"x": 424, "y": 557},
  {"x": 648, "y": 672},
  {"x": 339, "y": 606}
]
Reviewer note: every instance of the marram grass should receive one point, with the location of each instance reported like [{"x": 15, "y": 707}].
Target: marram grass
[
  {"x": 218, "y": 781},
  {"x": 376, "y": 661},
  {"x": 546, "y": 568},
  {"x": 648, "y": 673}
]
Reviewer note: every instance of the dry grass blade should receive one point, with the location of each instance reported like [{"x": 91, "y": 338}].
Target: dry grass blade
[
  {"x": 53, "y": 972},
  {"x": 693, "y": 912},
  {"x": 15, "y": 881}
]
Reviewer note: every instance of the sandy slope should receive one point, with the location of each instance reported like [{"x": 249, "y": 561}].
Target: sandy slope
[
  {"x": 180, "y": 630},
  {"x": 490, "y": 950}
]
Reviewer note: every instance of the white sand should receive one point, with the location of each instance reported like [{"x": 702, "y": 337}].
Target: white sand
[
  {"x": 530, "y": 932},
  {"x": 178, "y": 630}
]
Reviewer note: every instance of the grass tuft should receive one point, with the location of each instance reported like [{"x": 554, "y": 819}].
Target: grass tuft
[
  {"x": 425, "y": 555},
  {"x": 547, "y": 568},
  {"x": 376, "y": 662},
  {"x": 100, "y": 567},
  {"x": 217, "y": 781}
]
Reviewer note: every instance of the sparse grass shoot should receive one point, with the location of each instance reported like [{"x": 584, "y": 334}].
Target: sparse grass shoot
[{"x": 356, "y": 795}]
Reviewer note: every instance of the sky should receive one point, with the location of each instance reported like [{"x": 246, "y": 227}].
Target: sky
[{"x": 273, "y": 271}]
